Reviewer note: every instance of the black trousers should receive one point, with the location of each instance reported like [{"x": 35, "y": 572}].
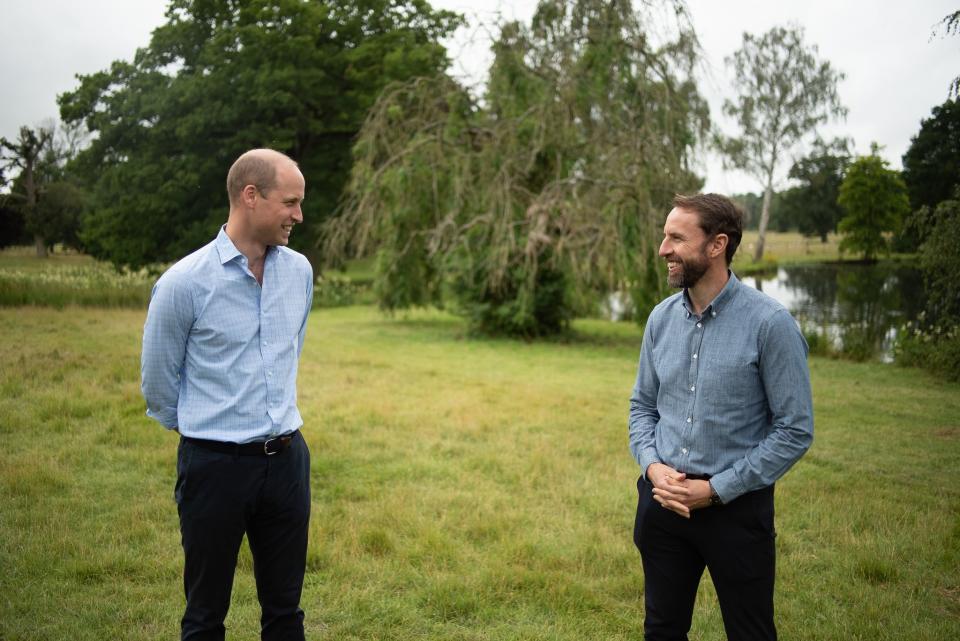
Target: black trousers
[
  {"x": 735, "y": 542},
  {"x": 220, "y": 497}
]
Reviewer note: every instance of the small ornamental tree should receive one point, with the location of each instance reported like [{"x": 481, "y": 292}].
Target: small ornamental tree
[{"x": 874, "y": 201}]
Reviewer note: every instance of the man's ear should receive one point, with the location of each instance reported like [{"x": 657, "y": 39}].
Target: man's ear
[
  {"x": 718, "y": 246},
  {"x": 249, "y": 195}
]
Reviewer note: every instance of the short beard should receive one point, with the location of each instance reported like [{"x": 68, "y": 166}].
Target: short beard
[{"x": 691, "y": 271}]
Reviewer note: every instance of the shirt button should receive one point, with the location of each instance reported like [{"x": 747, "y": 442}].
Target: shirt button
[
  {"x": 714, "y": 314},
  {"x": 684, "y": 450},
  {"x": 699, "y": 324},
  {"x": 694, "y": 355},
  {"x": 689, "y": 419},
  {"x": 693, "y": 387}
]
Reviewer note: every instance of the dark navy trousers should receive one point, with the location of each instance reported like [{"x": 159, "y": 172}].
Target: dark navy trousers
[
  {"x": 734, "y": 541},
  {"x": 220, "y": 497}
]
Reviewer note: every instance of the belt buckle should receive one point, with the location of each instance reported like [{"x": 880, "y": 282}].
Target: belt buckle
[{"x": 266, "y": 446}]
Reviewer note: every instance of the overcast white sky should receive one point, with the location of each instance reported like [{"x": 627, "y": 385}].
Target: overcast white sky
[{"x": 896, "y": 71}]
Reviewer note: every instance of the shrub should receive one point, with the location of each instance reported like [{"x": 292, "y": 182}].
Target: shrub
[
  {"x": 936, "y": 349},
  {"x": 515, "y": 308}
]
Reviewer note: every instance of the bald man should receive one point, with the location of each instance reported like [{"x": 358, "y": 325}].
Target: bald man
[{"x": 221, "y": 343}]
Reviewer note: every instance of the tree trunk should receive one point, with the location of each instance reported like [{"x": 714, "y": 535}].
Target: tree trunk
[
  {"x": 764, "y": 219},
  {"x": 41, "y": 246}
]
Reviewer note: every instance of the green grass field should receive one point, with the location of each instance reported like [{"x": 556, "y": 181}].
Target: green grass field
[{"x": 462, "y": 489}]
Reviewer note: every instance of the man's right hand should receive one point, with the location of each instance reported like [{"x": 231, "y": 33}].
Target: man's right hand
[
  {"x": 666, "y": 481},
  {"x": 659, "y": 473}
]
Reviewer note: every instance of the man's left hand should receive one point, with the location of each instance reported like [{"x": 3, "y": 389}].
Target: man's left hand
[{"x": 683, "y": 496}]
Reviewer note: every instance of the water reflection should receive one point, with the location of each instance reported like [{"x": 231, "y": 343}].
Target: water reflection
[{"x": 854, "y": 308}]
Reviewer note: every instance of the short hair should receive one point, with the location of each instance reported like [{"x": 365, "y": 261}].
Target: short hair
[
  {"x": 717, "y": 215},
  {"x": 257, "y": 167}
]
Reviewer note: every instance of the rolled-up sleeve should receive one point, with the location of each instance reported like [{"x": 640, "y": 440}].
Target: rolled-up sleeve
[
  {"x": 644, "y": 416},
  {"x": 165, "y": 334}
]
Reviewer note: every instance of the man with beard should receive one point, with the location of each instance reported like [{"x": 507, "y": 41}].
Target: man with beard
[{"x": 721, "y": 409}]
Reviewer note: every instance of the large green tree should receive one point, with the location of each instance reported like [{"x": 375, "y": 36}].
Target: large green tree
[
  {"x": 520, "y": 208},
  {"x": 223, "y": 76},
  {"x": 24, "y": 155},
  {"x": 931, "y": 165},
  {"x": 783, "y": 92},
  {"x": 812, "y": 204},
  {"x": 874, "y": 201},
  {"x": 44, "y": 202}
]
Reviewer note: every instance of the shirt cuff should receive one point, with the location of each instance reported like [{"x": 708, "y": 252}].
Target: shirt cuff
[
  {"x": 727, "y": 485},
  {"x": 167, "y": 418},
  {"x": 648, "y": 457}
]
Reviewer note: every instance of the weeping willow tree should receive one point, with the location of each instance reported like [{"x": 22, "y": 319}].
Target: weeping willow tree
[{"x": 518, "y": 210}]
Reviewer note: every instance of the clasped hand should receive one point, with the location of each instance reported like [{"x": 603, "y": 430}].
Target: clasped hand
[{"x": 674, "y": 491}]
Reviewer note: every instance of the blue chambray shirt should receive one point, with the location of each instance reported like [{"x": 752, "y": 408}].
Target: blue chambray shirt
[
  {"x": 726, "y": 393},
  {"x": 220, "y": 351}
]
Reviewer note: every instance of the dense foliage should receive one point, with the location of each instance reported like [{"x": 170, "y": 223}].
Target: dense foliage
[
  {"x": 519, "y": 209},
  {"x": 223, "y": 76},
  {"x": 874, "y": 201},
  {"x": 812, "y": 204},
  {"x": 44, "y": 202},
  {"x": 931, "y": 165},
  {"x": 934, "y": 341},
  {"x": 940, "y": 258},
  {"x": 783, "y": 92}
]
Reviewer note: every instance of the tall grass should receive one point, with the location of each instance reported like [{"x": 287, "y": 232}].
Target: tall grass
[
  {"x": 462, "y": 489},
  {"x": 64, "y": 279},
  {"x": 69, "y": 279}
]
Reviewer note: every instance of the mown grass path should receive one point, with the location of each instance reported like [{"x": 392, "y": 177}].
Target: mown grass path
[{"x": 462, "y": 489}]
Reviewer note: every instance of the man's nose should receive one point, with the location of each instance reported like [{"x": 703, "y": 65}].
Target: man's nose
[
  {"x": 298, "y": 214},
  {"x": 664, "y": 249}
]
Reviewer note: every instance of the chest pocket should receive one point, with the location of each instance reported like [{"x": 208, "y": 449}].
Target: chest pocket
[{"x": 736, "y": 379}]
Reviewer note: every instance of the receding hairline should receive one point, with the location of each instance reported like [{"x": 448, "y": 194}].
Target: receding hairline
[{"x": 257, "y": 167}]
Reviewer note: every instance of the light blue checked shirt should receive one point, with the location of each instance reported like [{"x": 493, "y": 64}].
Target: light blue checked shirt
[
  {"x": 220, "y": 352},
  {"x": 726, "y": 393}
]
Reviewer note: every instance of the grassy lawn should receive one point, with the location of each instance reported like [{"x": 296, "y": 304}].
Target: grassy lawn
[
  {"x": 462, "y": 489},
  {"x": 791, "y": 246}
]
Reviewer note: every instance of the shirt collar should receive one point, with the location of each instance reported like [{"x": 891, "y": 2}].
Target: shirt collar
[
  {"x": 720, "y": 301},
  {"x": 225, "y": 247},
  {"x": 228, "y": 251}
]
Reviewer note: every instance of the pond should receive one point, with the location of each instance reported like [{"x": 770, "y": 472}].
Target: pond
[{"x": 854, "y": 308}]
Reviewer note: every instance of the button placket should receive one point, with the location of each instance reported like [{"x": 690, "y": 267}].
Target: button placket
[{"x": 696, "y": 338}]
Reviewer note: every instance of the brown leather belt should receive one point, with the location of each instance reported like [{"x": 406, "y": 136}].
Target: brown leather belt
[{"x": 256, "y": 448}]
